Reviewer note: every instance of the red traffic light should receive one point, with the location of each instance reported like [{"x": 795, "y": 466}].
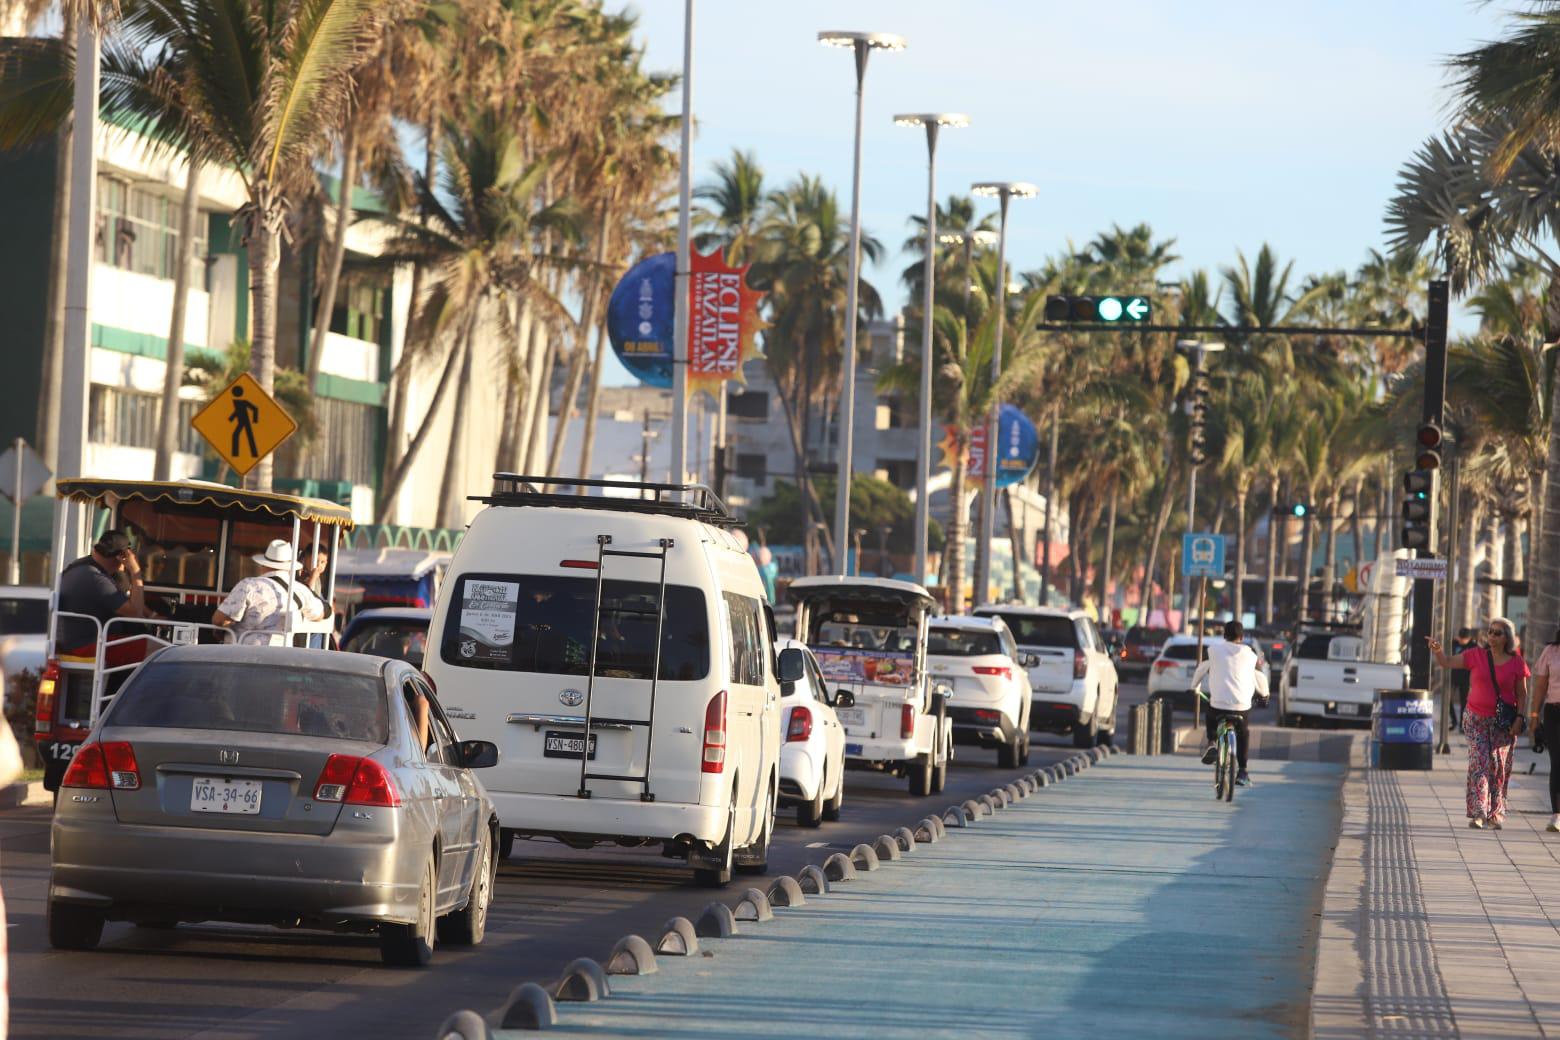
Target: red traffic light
[{"x": 1429, "y": 436}]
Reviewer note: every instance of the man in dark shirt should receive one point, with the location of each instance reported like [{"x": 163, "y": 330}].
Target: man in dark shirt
[{"x": 87, "y": 586}]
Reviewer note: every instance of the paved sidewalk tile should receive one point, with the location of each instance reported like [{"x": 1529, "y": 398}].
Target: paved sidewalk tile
[
  {"x": 1432, "y": 929},
  {"x": 1124, "y": 902}
]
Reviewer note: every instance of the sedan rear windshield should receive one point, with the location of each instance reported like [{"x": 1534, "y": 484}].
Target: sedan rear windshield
[
  {"x": 543, "y": 623},
  {"x": 1042, "y": 630},
  {"x": 307, "y": 702},
  {"x": 962, "y": 642},
  {"x": 1183, "y": 652}
]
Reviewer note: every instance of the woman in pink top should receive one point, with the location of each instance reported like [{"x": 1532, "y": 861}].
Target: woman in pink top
[
  {"x": 1546, "y": 699},
  {"x": 1489, "y": 746}
]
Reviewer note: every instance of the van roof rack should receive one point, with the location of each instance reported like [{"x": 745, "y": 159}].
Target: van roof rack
[{"x": 693, "y": 501}]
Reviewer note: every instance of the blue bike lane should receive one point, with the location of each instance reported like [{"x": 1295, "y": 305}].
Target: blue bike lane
[{"x": 1122, "y": 902}]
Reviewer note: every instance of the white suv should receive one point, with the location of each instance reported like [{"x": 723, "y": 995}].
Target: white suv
[
  {"x": 978, "y": 658},
  {"x": 672, "y": 741},
  {"x": 1073, "y": 685}
]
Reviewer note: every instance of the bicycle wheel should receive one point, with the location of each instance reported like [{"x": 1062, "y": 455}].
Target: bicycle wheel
[
  {"x": 1231, "y": 765},
  {"x": 1220, "y": 771}
]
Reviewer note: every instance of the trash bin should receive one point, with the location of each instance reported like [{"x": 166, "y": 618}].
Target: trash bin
[{"x": 1402, "y": 730}]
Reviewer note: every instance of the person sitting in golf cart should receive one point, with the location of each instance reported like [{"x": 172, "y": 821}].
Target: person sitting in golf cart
[
  {"x": 88, "y": 586},
  {"x": 257, "y": 609}
]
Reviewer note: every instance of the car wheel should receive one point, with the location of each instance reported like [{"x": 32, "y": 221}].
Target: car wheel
[
  {"x": 506, "y": 844},
  {"x": 1023, "y": 755},
  {"x": 755, "y": 858},
  {"x": 1084, "y": 735},
  {"x": 466, "y": 926},
  {"x": 411, "y": 945},
  {"x": 921, "y": 775},
  {"x": 940, "y": 773},
  {"x": 810, "y": 814},
  {"x": 74, "y": 927},
  {"x": 719, "y": 877},
  {"x": 831, "y": 808},
  {"x": 1007, "y": 754}
]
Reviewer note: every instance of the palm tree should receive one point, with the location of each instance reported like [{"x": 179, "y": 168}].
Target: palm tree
[{"x": 736, "y": 197}]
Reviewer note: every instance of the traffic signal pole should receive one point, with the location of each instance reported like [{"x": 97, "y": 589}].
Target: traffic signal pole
[{"x": 1434, "y": 408}]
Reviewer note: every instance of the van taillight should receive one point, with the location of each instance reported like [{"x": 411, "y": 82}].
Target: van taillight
[
  {"x": 355, "y": 781},
  {"x": 48, "y": 683},
  {"x": 714, "y": 760},
  {"x": 800, "y": 727},
  {"x": 1080, "y": 664},
  {"x": 907, "y": 722}
]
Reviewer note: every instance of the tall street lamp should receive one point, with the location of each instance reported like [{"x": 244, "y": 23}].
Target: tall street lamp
[
  {"x": 684, "y": 266},
  {"x": 1004, "y": 191},
  {"x": 863, "y": 44},
  {"x": 1197, "y": 349},
  {"x": 933, "y": 121},
  {"x": 969, "y": 240}
]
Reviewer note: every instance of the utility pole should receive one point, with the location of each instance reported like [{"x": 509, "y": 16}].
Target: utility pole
[
  {"x": 1434, "y": 409},
  {"x": 684, "y": 271},
  {"x": 1050, "y": 495}
]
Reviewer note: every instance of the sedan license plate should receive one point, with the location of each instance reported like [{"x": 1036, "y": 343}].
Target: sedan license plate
[
  {"x": 1348, "y": 709},
  {"x": 851, "y": 716},
  {"x": 564, "y": 745},
  {"x": 209, "y": 794}
]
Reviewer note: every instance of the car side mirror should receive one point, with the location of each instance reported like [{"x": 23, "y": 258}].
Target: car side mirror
[
  {"x": 478, "y": 754},
  {"x": 793, "y": 664},
  {"x": 844, "y": 699},
  {"x": 1029, "y": 660}
]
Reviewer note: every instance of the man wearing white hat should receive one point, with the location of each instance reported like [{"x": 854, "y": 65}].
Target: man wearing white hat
[{"x": 257, "y": 608}]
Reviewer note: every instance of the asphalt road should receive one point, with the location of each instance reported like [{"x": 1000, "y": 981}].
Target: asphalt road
[{"x": 552, "y": 904}]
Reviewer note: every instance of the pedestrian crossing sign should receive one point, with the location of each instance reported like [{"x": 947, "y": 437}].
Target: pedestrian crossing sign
[{"x": 243, "y": 424}]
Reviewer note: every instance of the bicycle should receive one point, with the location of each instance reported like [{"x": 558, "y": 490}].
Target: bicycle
[{"x": 1227, "y": 765}]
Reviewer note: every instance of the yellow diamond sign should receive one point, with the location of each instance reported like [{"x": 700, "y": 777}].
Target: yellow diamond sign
[{"x": 244, "y": 424}]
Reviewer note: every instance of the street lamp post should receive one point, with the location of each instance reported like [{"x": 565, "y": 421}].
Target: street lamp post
[
  {"x": 1003, "y": 191},
  {"x": 1198, "y": 350},
  {"x": 684, "y": 266},
  {"x": 862, "y": 44},
  {"x": 933, "y": 122}
]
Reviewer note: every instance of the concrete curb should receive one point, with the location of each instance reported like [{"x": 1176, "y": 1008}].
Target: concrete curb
[
  {"x": 864, "y": 858},
  {"x": 678, "y": 938},
  {"x": 716, "y": 922},
  {"x": 887, "y": 848},
  {"x": 529, "y": 1007},
  {"x": 839, "y": 867},
  {"x": 632, "y": 956},
  {"x": 583, "y": 982},
  {"x": 812, "y": 880},
  {"x": 753, "y": 906},
  {"x": 786, "y": 892}
]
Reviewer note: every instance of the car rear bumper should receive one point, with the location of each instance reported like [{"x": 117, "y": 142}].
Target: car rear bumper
[
  {"x": 200, "y": 873},
  {"x": 1331, "y": 710},
  {"x": 604, "y": 818},
  {"x": 860, "y": 751},
  {"x": 1055, "y": 716},
  {"x": 967, "y": 729},
  {"x": 800, "y": 774}
]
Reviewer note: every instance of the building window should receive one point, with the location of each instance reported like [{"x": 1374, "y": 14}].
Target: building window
[
  {"x": 138, "y": 230},
  {"x": 128, "y": 419},
  {"x": 751, "y": 404},
  {"x": 898, "y": 472},
  {"x": 360, "y": 305},
  {"x": 343, "y": 447},
  {"x": 753, "y": 467}
]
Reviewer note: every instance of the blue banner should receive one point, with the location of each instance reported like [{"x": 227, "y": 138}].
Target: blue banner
[
  {"x": 1018, "y": 446},
  {"x": 639, "y": 319}
]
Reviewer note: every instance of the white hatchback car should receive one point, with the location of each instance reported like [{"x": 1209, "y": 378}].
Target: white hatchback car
[
  {"x": 812, "y": 758},
  {"x": 978, "y": 659}
]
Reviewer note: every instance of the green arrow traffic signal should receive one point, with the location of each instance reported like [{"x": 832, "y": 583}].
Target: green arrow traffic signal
[{"x": 1109, "y": 310}]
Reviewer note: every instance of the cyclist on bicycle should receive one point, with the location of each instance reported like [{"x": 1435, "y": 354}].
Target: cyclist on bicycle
[{"x": 1235, "y": 677}]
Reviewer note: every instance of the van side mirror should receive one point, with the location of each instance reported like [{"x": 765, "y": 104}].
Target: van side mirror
[
  {"x": 478, "y": 754},
  {"x": 844, "y": 699},
  {"x": 793, "y": 664}
]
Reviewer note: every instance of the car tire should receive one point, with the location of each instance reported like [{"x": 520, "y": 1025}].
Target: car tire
[
  {"x": 411, "y": 945},
  {"x": 719, "y": 877},
  {"x": 506, "y": 845},
  {"x": 832, "y": 808},
  {"x": 810, "y": 814},
  {"x": 467, "y": 926},
  {"x": 1008, "y": 754},
  {"x": 755, "y": 858},
  {"x": 73, "y": 927},
  {"x": 1023, "y": 755},
  {"x": 921, "y": 775},
  {"x": 1083, "y": 736}
]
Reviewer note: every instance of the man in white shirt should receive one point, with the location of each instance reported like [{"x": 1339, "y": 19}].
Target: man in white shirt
[
  {"x": 257, "y": 609},
  {"x": 1235, "y": 677}
]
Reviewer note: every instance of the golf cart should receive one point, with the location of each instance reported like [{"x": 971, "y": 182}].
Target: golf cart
[
  {"x": 195, "y": 541},
  {"x": 869, "y": 636}
]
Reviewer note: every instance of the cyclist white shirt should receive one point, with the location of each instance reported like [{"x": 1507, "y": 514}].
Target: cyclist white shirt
[{"x": 1233, "y": 675}]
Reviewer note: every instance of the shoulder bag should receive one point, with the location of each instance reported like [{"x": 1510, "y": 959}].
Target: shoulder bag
[{"x": 1505, "y": 711}]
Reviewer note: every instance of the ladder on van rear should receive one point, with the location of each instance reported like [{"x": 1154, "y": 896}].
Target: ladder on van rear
[{"x": 603, "y": 553}]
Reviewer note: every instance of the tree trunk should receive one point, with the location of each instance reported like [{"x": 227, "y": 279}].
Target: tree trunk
[
  {"x": 1515, "y": 571},
  {"x": 1493, "y": 546},
  {"x": 541, "y": 404},
  {"x": 1110, "y": 549},
  {"x": 1467, "y": 541},
  {"x": 49, "y": 388},
  {"x": 958, "y": 528},
  {"x": 1356, "y": 525},
  {"x": 514, "y": 393},
  {"x": 173, "y": 369},
  {"x": 1242, "y": 490},
  {"x": 1307, "y": 554},
  {"x": 451, "y": 513},
  {"x": 1016, "y": 537},
  {"x": 593, "y": 399},
  {"x": 1330, "y": 555},
  {"x": 1153, "y": 546},
  {"x": 799, "y": 459},
  {"x": 582, "y": 330},
  {"x": 452, "y": 363},
  {"x": 338, "y": 251},
  {"x": 1275, "y": 537},
  {"x": 265, "y": 261}
]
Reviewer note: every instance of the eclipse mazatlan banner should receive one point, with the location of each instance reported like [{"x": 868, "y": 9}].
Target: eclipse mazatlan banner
[
  {"x": 1019, "y": 448},
  {"x": 723, "y": 322},
  {"x": 640, "y": 319}
]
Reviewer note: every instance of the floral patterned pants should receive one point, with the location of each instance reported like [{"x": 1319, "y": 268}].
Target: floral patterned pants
[{"x": 1489, "y": 766}]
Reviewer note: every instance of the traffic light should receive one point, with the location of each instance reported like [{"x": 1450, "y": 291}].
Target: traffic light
[
  {"x": 1108, "y": 310},
  {"x": 1298, "y": 510},
  {"x": 1429, "y": 438},
  {"x": 1419, "y": 509}
]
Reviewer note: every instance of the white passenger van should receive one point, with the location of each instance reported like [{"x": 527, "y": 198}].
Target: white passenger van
[
  {"x": 673, "y": 737},
  {"x": 869, "y": 636}
]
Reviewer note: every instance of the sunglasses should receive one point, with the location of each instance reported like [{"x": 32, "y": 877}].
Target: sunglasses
[{"x": 1500, "y": 632}]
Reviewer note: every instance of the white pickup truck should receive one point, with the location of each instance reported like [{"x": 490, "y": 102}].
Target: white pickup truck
[{"x": 1325, "y": 679}]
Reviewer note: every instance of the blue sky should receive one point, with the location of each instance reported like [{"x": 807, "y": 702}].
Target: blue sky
[{"x": 1222, "y": 123}]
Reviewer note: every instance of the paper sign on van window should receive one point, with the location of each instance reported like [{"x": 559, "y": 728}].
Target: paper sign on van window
[
  {"x": 865, "y": 666},
  {"x": 487, "y": 620}
]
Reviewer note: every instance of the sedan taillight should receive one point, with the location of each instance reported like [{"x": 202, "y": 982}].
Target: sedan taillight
[
  {"x": 356, "y": 781},
  {"x": 103, "y": 765},
  {"x": 1164, "y": 664}
]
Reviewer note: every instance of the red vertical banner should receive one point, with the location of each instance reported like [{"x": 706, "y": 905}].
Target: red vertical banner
[{"x": 723, "y": 322}]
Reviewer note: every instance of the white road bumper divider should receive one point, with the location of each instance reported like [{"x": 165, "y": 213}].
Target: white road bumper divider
[
  {"x": 838, "y": 867},
  {"x": 583, "y": 981},
  {"x": 678, "y": 939},
  {"x": 631, "y": 956},
  {"x": 716, "y": 922},
  {"x": 887, "y": 848},
  {"x": 529, "y": 1007},
  {"x": 753, "y": 906},
  {"x": 786, "y": 892}
]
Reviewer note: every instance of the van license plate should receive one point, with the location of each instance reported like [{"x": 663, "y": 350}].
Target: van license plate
[
  {"x": 853, "y": 749},
  {"x": 208, "y": 794},
  {"x": 851, "y": 716},
  {"x": 563, "y": 745},
  {"x": 1348, "y": 709}
]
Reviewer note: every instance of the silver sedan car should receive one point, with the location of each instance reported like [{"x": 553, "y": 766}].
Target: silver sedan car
[{"x": 300, "y": 788}]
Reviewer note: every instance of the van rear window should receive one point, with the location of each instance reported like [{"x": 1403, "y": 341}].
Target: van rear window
[
  {"x": 543, "y": 623},
  {"x": 1039, "y": 630}
]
